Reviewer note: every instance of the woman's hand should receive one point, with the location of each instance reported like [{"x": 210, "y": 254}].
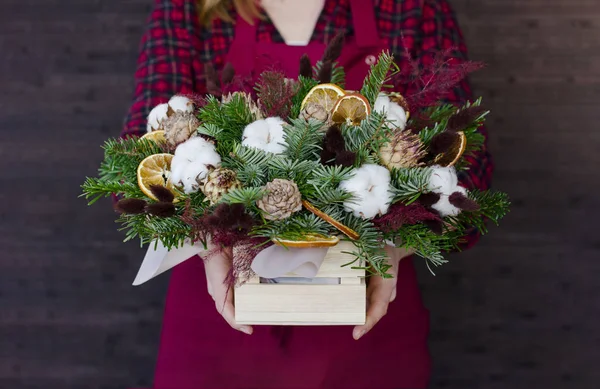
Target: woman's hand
[
  {"x": 381, "y": 292},
  {"x": 217, "y": 268}
]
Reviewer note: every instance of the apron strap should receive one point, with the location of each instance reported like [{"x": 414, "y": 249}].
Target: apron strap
[{"x": 364, "y": 23}]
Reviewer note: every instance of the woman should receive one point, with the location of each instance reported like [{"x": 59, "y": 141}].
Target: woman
[{"x": 198, "y": 350}]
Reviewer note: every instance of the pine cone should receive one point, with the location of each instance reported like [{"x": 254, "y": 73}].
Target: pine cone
[
  {"x": 250, "y": 103},
  {"x": 315, "y": 111},
  {"x": 179, "y": 127},
  {"x": 403, "y": 151},
  {"x": 282, "y": 199},
  {"x": 219, "y": 182}
]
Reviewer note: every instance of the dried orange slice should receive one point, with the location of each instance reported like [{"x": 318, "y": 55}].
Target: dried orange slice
[
  {"x": 351, "y": 109},
  {"x": 155, "y": 170},
  {"x": 155, "y": 136},
  {"x": 454, "y": 152},
  {"x": 325, "y": 95},
  {"x": 309, "y": 241},
  {"x": 350, "y": 233}
]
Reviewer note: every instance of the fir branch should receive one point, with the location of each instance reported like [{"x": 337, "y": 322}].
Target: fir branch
[
  {"x": 378, "y": 76},
  {"x": 368, "y": 138},
  {"x": 295, "y": 170},
  {"x": 252, "y": 175},
  {"x": 293, "y": 228},
  {"x": 426, "y": 243},
  {"x": 171, "y": 231},
  {"x": 492, "y": 206},
  {"x": 330, "y": 175},
  {"x": 231, "y": 118},
  {"x": 303, "y": 139},
  {"x": 370, "y": 245},
  {"x": 246, "y": 196},
  {"x": 240, "y": 157},
  {"x": 95, "y": 188},
  {"x": 210, "y": 130},
  {"x": 408, "y": 183},
  {"x": 123, "y": 156},
  {"x": 305, "y": 84}
]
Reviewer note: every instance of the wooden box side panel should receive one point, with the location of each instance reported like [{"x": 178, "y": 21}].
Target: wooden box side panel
[{"x": 281, "y": 304}]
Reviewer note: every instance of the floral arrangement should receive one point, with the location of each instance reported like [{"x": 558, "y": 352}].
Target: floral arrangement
[{"x": 302, "y": 163}]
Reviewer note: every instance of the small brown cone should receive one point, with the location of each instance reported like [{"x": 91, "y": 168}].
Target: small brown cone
[{"x": 281, "y": 200}]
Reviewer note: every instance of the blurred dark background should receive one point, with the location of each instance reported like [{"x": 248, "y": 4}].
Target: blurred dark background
[{"x": 520, "y": 311}]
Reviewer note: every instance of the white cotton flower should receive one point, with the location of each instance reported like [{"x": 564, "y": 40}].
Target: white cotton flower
[
  {"x": 371, "y": 190},
  {"x": 393, "y": 111},
  {"x": 444, "y": 182},
  {"x": 156, "y": 116},
  {"x": 192, "y": 162},
  {"x": 181, "y": 103},
  {"x": 265, "y": 134}
]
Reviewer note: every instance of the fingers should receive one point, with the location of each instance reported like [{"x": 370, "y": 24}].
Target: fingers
[
  {"x": 379, "y": 295},
  {"x": 227, "y": 310}
]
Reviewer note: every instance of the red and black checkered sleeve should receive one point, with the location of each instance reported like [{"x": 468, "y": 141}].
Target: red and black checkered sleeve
[
  {"x": 164, "y": 66},
  {"x": 440, "y": 32}
]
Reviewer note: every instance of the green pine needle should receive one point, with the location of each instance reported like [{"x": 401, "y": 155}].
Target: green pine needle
[{"x": 378, "y": 76}]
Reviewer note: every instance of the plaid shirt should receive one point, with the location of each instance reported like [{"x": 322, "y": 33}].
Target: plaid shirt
[{"x": 175, "y": 48}]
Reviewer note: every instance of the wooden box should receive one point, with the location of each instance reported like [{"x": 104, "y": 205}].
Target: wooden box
[{"x": 336, "y": 296}]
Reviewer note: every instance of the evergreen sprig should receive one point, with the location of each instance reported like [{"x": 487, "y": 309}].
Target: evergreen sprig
[
  {"x": 246, "y": 196},
  {"x": 369, "y": 247},
  {"x": 171, "y": 231},
  {"x": 378, "y": 76},
  {"x": 367, "y": 139},
  {"x": 95, "y": 188},
  {"x": 303, "y": 139},
  {"x": 493, "y": 206},
  {"x": 295, "y": 170},
  {"x": 293, "y": 228},
  {"x": 409, "y": 183},
  {"x": 227, "y": 121}
]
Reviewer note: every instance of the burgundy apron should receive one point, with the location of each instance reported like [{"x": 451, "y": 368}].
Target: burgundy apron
[{"x": 199, "y": 350}]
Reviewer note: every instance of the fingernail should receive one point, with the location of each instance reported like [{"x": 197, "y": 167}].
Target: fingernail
[
  {"x": 246, "y": 330},
  {"x": 359, "y": 335}
]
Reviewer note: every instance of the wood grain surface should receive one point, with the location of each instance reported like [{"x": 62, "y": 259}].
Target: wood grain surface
[{"x": 520, "y": 311}]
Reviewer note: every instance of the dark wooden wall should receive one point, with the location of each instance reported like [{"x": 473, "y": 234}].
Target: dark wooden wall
[{"x": 520, "y": 311}]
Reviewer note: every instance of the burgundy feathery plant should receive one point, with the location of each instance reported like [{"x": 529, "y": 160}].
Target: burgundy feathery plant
[
  {"x": 430, "y": 78},
  {"x": 275, "y": 93},
  {"x": 400, "y": 214}
]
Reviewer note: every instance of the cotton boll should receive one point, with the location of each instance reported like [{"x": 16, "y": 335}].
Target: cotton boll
[
  {"x": 444, "y": 207},
  {"x": 378, "y": 175},
  {"x": 382, "y": 103},
  {"x": 257, "y": 131},
  {"x": 392, "y": 111},
  {"x": 370, "y": 187},
  {"x": 157, "y": 115},
  {"x": 181, "y": 103},
  {"x": 192, "y": 161},
  {"x": 192, "y": 175},
  {"x": 265, "y": 134},
  {"x": 443, "y": 180}
]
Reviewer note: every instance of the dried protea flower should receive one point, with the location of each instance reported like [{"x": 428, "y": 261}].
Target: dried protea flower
[
  {"x": 315, "y": 111},
  {"x": 252, "y": 105},
  {"x": 179, "y": 127},
  {"x": 281, "y": 200},
  {"x": 403, "y": 151},
  {"x": 219, "y": 182}
]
